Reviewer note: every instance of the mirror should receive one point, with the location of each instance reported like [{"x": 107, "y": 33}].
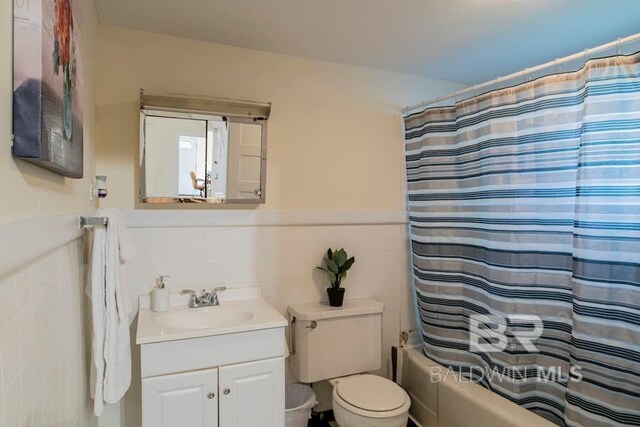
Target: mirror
[{"x": 191, "y": 157}]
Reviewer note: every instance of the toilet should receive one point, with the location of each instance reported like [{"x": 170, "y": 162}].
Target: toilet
[{"x": 341, "y": 344}]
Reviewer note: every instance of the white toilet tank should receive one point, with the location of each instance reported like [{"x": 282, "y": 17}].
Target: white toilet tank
[{"x": 343, "y": 340}]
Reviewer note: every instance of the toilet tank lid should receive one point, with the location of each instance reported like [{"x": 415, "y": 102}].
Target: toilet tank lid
[{"x": 319, "y": 311}]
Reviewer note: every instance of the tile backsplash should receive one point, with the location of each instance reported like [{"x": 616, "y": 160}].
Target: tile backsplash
[
  {"x": 281, "y": 260},
  {"x": 44, "y": 342}
]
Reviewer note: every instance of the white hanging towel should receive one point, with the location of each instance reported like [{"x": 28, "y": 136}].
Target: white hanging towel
[{"x": 110, "y": 307}]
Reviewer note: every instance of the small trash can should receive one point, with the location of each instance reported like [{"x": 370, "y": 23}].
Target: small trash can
[{"x": 299, "y": 399}]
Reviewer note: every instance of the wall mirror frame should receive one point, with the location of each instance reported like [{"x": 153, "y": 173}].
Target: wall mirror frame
[{"x": 202, "y": 150}]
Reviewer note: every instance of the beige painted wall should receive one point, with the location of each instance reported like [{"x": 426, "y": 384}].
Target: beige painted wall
[
  {"x": 27, "y": 190},
  {"x": 45, "y": 379},
  {"x": 335, "y": 140}
]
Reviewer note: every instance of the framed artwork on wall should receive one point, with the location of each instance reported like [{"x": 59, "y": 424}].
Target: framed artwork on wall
[{"x": 47, "y": 107}]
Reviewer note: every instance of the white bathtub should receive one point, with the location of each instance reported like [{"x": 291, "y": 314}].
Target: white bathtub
[{"x": 439, "y": 401}]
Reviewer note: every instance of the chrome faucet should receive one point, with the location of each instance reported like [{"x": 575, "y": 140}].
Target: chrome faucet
[
  {"x": 214, "y": 295},
  {"x": 193, "y": 299},
  {"x": 206, "y": 299}
]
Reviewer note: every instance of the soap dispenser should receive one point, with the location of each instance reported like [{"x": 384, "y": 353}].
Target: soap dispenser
[{"x": 160, "y": 296}]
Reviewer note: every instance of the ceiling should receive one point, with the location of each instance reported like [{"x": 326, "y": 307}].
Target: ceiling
[{"x": 466, "y": 41}]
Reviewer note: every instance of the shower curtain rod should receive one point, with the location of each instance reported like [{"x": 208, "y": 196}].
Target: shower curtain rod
[{"x": 585, "y": 53}]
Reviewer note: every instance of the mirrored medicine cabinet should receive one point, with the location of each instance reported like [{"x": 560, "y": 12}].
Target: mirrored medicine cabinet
[{"x": 199, "y": 150}]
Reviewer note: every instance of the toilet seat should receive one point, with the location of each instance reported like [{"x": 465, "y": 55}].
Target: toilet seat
[{"x": 371, "y": 396}]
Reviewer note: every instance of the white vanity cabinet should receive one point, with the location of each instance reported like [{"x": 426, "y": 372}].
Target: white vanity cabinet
[
  {"x": 242, "y": 395},
  {"x": 252, "y": 394},
  {"x": 222, "y": 375},
  {"x": 179, "y": 400}
]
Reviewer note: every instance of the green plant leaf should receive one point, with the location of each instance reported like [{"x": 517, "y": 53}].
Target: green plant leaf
[
  {"x": 332, "y": 266},
  {"x": 330, "y": 275},
  {"x": 329, "y": 254},
  {"x": 340, "y": 257},
  {"x": 343, "y": 276},
  {"x": 332, "y": 278},
  {"x": 348, "y": 264}
]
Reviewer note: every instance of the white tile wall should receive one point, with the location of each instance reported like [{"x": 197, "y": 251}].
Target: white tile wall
[
  {"x": 44, "y": 340},
  {"x": 281, "y": 260}
]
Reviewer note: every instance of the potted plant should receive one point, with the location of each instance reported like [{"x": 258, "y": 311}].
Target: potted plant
[{"x": 336, "y": 266}]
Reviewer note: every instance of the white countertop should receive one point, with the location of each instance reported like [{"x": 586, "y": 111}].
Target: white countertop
[{"x": 155, "y": 327}]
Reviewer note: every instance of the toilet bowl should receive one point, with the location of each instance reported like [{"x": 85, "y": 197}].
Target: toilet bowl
[
  {"x": 339, "y": 344},
  {"x": 369, "y": 401}
]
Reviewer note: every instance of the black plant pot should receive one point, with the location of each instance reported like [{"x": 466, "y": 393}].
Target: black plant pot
[{"x": 336, "y": 296}]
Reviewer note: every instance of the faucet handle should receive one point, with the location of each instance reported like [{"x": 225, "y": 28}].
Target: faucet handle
[
  {"x": 193, "y": 299},
  {"x": 214, "y": 294}
]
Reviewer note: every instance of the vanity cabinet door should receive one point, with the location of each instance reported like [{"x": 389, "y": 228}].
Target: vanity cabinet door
[
  {"x": 252, "y": 394},
  {"x": 181, "y": 400}
]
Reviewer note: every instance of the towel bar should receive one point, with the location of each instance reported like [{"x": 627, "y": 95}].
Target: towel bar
[{"x": 93, "y": 220}]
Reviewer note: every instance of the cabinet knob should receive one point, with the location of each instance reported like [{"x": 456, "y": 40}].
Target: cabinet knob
[
  {"x": 226, "y": 391},
  {"x": 211, "y": 395}
]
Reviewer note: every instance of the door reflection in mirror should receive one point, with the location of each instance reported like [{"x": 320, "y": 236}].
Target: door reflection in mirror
[
  {"x": 217, "y": 159},
  {"x": 244, "y": 160}
]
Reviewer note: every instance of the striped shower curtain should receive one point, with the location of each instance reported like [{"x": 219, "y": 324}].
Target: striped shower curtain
[{"x": 525, "y": 201}]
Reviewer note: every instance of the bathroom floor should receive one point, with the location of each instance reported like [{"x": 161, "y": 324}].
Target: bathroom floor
[
  {"x": 316, "y": 422},
  {"x": 333, "y": 424}
]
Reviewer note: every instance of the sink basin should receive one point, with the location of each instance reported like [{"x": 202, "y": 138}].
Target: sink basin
[
  {"x": 204, "y": 318},
  {"x": 241, "y": 310}
]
